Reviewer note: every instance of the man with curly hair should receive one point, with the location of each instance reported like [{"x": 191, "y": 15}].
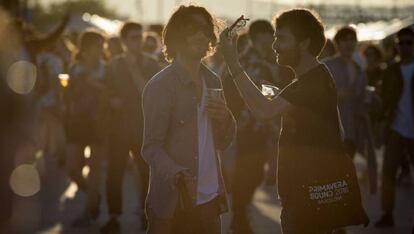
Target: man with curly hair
[{"x": 186, "y": 123}]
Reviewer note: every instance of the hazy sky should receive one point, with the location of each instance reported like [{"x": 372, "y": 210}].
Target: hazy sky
[{"x": 148, "y": 10}]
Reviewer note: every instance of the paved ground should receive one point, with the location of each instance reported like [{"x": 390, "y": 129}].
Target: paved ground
[{"x": 51, "y": 210}]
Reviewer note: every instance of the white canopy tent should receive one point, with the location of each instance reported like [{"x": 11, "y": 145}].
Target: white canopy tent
[
  {"x": 86, "y": 20},
  {"x": 376, "y": 31}
]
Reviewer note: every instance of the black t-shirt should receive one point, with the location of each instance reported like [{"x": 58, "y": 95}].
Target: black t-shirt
[
  {"x": 314, "y": 119},
  {"x": 312, "y": 159},
  {"x": 310, "y": 129}
]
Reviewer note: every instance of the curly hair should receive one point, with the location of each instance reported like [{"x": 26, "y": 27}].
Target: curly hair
[
  {"x": 304, "y": 24},
  {"x": 258, "y": 27},
  {"x": 174, "y": 33}
]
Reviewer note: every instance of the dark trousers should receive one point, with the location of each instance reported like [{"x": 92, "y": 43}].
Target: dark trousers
[
  {"x": 396, "y": 149},
  {"x": 248, "y": 175},
  {"x": 120, "y": 144},
  {"x": 201, "y": 219},
  {"x": 6, "y": 195},
  {"x": 9, "y": 143}
]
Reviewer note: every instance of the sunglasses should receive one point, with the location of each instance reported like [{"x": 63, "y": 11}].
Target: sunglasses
[{"x": 193, "y": 29}]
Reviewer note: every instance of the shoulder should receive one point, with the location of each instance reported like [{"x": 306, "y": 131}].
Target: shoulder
[
  {"x": 150, "y": 59},
  {"x": 211, "y": 75},
  {"x": 324, "y": 72},
  {"x": 319, "y": 80},
  {"x": 331, "y": 61},
  {"x": 164, "y": 78},
  {"x": 358, "y": 66},
  {"x": 75, "y": 68},
  {"x": 325, "y": 76}
]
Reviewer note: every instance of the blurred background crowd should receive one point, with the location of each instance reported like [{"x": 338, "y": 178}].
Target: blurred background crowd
[{"x": 69, "y": 114}]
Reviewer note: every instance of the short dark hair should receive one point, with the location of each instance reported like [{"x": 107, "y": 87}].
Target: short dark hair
[
  {"x": 344, "y": 32},
  {"x": 152, "y": 36},
  {"x": 259, "y": 27},
  {"x": 174, "y": 32},
  {"x": 88, "y": 38},
  {"x": 304, "y": 24},
  {"x": 407, "y": 31},
  {"x": 129, "y": 26}
]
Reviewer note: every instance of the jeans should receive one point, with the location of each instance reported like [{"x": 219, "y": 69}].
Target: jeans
[
  {"x": 396, "y": 149},
  {"x": 120, "y": 144},
  {"x": 248, "y": 175}
]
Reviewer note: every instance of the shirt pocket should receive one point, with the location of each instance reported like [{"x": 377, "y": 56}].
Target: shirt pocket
[{"x": 185, "y": 114}]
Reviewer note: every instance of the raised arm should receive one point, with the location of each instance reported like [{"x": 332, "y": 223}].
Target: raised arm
[
  {"x": 225, "y": 130},
  {"x": 38, "y": 44},
  {"x": 260, "y": 106}
]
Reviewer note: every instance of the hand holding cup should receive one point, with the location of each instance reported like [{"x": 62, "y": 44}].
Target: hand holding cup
[{"x": 216, "y": 108}]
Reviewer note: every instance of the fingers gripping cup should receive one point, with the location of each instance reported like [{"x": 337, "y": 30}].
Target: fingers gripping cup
[{"x": 270, "y": 91}]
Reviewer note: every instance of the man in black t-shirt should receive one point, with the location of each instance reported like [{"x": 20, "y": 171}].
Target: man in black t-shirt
[{"x": 311, "y": 148}]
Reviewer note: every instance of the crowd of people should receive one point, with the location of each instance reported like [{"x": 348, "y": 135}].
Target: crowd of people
[{"x": 192, "y": 108}]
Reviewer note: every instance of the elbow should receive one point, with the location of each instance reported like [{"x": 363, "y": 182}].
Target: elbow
[{"x": 146, "y": 152}]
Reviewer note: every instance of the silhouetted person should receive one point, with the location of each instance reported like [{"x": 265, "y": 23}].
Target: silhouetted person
[
  {"x": 84, "y": 116},
  {"x": 12, "y": 109},
  {"x": 398, "y": 102},
  {"x": 312, "y": 135},
  {"x": 114, "y": 47},
  {"x": 350, "y": 81},
  {"x": 128, "y": 73},
  {"x": 186, "y": 123},
  {"x": 17, "y": 109},
  {"x": 375, "y": 74}
]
